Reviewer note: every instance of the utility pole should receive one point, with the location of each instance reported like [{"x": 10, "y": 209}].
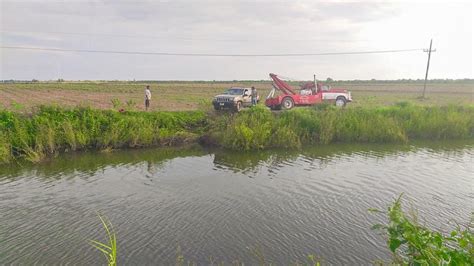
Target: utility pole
[
  {"x": 427, "y": 65},
  {"x": 315, "y": 84}
]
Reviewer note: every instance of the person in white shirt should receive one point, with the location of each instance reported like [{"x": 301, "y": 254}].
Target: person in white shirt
[{"x": 147, "y": 97}]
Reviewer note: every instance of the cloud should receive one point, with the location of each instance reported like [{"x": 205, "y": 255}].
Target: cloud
[{"x": 228, "y": 27}]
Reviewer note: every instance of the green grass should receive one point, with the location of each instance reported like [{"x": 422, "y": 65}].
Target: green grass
[
  {"x": 50, "y": 130},
  {"x": 259, "y": 128},
  {"x": 53, "y": 129}
]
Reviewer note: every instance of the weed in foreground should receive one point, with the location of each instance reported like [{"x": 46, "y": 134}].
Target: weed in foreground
[
  {"x": 414, "y": 244},
  {"x": 109, "y": 249}
]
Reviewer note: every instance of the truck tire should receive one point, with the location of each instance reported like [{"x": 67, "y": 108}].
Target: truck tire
[
  {"x": 217, "y": 108},
  {"x": 340, "y": 101},
  {"x": 238, "y": 106},
  {"x": 287, "y": 103}
]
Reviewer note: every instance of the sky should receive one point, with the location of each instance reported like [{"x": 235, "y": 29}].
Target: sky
[{"x": 234, "y": 27}]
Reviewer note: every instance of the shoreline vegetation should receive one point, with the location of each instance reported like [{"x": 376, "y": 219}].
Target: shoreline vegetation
[{"x": 50, "y": 130}]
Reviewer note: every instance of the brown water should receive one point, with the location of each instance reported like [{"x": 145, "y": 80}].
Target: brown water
[{"x": 223, "y": 204}]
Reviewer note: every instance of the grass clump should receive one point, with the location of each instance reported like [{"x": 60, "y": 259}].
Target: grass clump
[
  {"x": 52, "y": 129},
  {"x": 250, "y": 130},
  {"x": 5, "y": 149},
  {"x": 414, "y": 244}
]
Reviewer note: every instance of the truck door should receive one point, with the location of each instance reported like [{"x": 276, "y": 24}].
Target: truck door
[{"x": 315, "y": 98}]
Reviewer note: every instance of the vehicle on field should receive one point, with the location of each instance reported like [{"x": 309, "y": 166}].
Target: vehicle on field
[
  {"x": 311, "y": 93},
  {"x": 234, "y": 98}
]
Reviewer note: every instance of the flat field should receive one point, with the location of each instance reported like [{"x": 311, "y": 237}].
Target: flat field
[{"x": 184, "y": 95}]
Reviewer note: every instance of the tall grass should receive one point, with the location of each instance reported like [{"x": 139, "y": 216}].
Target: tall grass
[
  {"x": 258, "y": 128},
  {"x": 53, "y": 129}
]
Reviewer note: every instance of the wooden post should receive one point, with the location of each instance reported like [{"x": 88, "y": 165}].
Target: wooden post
[{"x": 427, "y": 68}]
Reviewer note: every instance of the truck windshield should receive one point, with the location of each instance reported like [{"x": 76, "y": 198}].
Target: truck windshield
[{"x": 234, "y": 91}]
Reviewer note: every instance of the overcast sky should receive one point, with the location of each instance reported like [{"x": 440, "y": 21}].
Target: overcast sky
[{"x": 234, "y": 27}]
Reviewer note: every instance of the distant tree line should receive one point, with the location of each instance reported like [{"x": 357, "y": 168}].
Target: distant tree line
[{"x": 465, "y": 80}]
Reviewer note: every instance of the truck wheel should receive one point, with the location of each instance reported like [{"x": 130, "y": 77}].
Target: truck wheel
[
  {"x": 238, "y": 107},
  {"x": 340, "y": 101},
  {"x": 287, "y": 103},
  {"x": 217, "y": 108}
]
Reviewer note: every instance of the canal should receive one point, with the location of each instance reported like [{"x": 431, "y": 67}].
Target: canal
[{"x": 285, "y": 204}]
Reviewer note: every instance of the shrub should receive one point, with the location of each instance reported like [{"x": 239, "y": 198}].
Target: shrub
[{"x": 414, "y": 244}]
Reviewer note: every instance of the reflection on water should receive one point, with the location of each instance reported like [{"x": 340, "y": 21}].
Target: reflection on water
[
  {"x": 215, "y": 202},
  {"x": 88, "y": 163}
]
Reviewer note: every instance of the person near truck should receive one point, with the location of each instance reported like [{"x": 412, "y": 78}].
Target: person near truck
[
  {"x": 254, "y": 96},
  {"x": 147, "y": 97}
]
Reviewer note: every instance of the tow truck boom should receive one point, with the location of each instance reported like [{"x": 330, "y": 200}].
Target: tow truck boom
[{"x": 281, "y": 85}]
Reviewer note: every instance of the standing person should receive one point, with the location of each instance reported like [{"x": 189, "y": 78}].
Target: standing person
[
  {"x": 254, "y": 96},
  {"x": 147, "y": 97}
]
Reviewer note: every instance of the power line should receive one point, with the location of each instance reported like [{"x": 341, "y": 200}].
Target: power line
[
  {"x": 170, "y": 37},
  {"x": 206, "y": 54}
]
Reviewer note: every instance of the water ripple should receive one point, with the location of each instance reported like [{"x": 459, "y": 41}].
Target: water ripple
[{"x": 312, "y": 203}]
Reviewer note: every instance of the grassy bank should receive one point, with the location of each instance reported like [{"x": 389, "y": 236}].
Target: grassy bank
[
  {"x": 50, "y": 130},
  {"x": 260, "y": 129}
]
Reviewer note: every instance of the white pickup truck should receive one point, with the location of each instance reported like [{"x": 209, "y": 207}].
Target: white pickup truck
[{"x": 234, "y": 98}]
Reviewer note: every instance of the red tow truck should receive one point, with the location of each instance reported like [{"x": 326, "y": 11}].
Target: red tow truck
[{"x": 311, "y": 93}]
